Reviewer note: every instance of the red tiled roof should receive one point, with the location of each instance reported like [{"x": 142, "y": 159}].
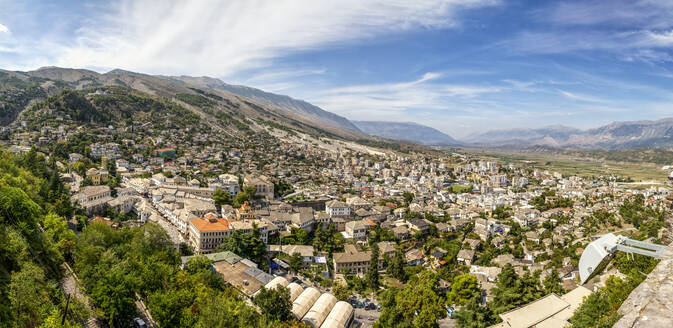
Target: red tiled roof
[{"x": 202, "y": 224}]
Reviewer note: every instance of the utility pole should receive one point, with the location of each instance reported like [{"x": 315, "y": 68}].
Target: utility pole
[{"x": 67, "y": 302}]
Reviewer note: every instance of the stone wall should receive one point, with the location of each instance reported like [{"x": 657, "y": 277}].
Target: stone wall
[{"x": 651, "y": 303}]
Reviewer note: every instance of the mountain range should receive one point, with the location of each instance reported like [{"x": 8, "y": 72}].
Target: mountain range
[
  {"x": 299, "y": 107},
  {"x": 214, "y": 99},
  {"x": 617, "y": 135},
  {"x": 406, "y": 131},
  {"x": 206, "y": 97}
]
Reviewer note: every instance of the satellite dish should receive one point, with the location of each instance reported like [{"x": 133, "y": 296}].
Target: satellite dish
[{"x": 605, "y": 246}]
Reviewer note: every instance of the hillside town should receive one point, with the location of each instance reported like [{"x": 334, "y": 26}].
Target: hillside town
[{"x": 327, "y": 217}]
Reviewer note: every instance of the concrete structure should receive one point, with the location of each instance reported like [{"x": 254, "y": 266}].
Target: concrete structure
[
  {"x": 304, "y": 301},
  {"x": 263, "y": 186},
  {"x": 649, "y": 304},
  {"x": 295, "y": 290},
  {"x": 608, "y": 244},
  {"x": 337, "y": 208},
  {"x": 319, "y": 311},
  {"x": 341, "y": 316},
  {"x": 205, "y": 234},
  {"x": 93, "y": 199},
  {"x": 549, "y": 311}
]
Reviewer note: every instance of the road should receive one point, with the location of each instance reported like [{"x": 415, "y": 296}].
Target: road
[
  {"x": 71, "y": 286},
  {"x": 366, "y": 318}
]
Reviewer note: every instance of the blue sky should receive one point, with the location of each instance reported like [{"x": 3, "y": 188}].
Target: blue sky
[{"x": 459, "y": 66}]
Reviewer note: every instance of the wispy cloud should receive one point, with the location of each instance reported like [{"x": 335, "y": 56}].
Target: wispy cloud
[
  {"x": 581, "y": 97},
  {"x": 427, "y": 93},
  {"x": 4, "y": 29},
  {"x": 224, "y": 37},
  {"x": 631, "y": 30}
]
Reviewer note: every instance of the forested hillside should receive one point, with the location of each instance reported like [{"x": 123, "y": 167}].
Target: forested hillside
[
  {"x": 34, "y": 241},
  {"x": 115, "y": 267}
]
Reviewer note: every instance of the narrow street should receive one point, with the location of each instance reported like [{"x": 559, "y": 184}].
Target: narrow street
[{"x": 71, "y": 286}]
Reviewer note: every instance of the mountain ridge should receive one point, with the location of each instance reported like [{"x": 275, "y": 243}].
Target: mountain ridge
[
  {"x": 615, "y": 135},
  {"x": 297, "y": 106},
  {"x": 406, "y": 131}
]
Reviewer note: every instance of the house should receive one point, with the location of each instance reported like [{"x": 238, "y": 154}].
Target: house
[
  {"x": 307, "y": 252},
  {"x": 303, "y": 219},
  {"x": 357, "y": 230},
  {"x": 229, "y": 183},
  {"x": 357, "y": 203},
  {"x": 418, "y": 225},
  {"x": 414, "y": 256},
  {"x": 442, "y": 227},
  {"x": 489, "y": 274},
  {"x": 123, "y": 204},
  {"x": 93, "y": 199},
  {"x": 534, "y": 236},
  {"x": 401, "y": 233},
  {"x": 337, "y": 208},
  {"x": 207, "y": 233},
  {"x": 74, "y": 157},
  {"x": 263, "y": 186},
  {"x": 387, "y": 248},
  {"x": 354, "y": 261},
  {"x": 98, "y": 177},
  {"x": 466, "y": 256}
]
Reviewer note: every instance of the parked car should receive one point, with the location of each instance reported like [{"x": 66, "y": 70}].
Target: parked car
[{"x": 139, "y": 323}]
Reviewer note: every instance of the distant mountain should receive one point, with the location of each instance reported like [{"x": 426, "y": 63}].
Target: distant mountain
[
  {"x": 552, "y": 135},
  {"x": 300, "y": 107},
  {"x": 406, "y": 131},
  {"x": 617, "y": 135}
]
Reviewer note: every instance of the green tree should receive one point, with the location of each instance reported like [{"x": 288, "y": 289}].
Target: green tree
[
  {"x": 221, "y": 197},
  {"x": 552, "y": 283},
  {"x": 418, "y": 304},
  {"x": 473, "y": 315},
  {"x": 372, "y": 275},
  {"x": 396, "y": 266},
  {"x": 113, "y": 294},
  {"x": 198, "y": 264},
  {"x": 296, "y": 261},
  {"x": 463, "y": 289},
  {"x": 56, "y": 228},
  {"x": 341, "y": 292},
  {"x": 408, "y": 197},
  {"x": 274, "y": 303}
]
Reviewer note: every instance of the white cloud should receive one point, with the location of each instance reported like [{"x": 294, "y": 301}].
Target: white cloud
[
  {"x": 385, "y": 99},
  {"x": 224, "y": 37},
  {"x": 4, "y": 29},
  {"x": 661, "y": 39}
]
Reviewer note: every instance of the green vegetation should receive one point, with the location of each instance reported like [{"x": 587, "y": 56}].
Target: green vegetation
[
  {"x": 634, "y": 163},
  {"x": 17, "y": 95},
  {"x": 274, "y": 303},
  {"x": 247, "y": 245},
  {"x": 116, "y": 105},
  {"x": 372, "y": 275},
  {"x": 221, "y": 197},
  {"x": 648, "y": 220},
  {"x": 195, "y": 100},
  {"x": 460, "y": 189},
  {"x": 418, "y": 304},
  {"x": 34, "y": 241},
  {"x": 548, "y": 200},
  {"x": 600, "y": 308}
]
